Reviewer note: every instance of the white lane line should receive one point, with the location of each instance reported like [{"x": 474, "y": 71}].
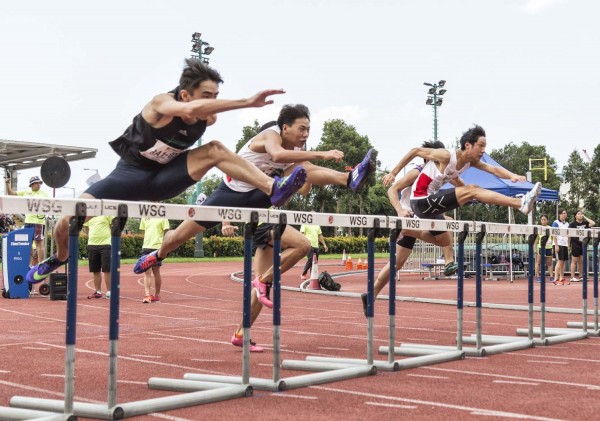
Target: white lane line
[
  {"x": 515, "y": 382},
  {"x": 203, "y": 360},
  {"x": 62, "y": 376},
  {"x": 480, "y": 411},
  {"x": 327, "y": 348},
  {"x": 145, "y": 356},
  {"x": 428, "y": 377},
  {"x": 585, "y": 360},
  {"x": 547, "y": 362},
  {"x": 132, "y": 382},
  {"x": 391, "y": 405},
  {"x": 503, "y": 376},
  {"x": 289, "y": 395},
  {"x": 35, "y": 348}
]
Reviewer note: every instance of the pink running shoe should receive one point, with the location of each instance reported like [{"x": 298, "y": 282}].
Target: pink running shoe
[
  {"x": 154, "y": 298},
  {"x": 262, "y": 292},
  {"x": 240, "y": 342}
]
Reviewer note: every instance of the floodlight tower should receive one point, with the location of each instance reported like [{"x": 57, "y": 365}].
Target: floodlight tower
[
  {"x": 200, "y": 49},
  {"x": 434, "y": 99}
]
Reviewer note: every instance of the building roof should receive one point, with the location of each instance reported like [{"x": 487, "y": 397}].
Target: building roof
[{"x": 17, "y": 155}]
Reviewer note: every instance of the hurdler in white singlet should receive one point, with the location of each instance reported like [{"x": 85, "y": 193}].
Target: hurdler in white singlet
[
  {"x": 263, "y": 161},
  {"x": 431, "y": 179}
]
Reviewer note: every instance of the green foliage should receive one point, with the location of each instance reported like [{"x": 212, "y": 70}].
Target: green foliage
[
  {"x": 248, "y": 132},
  {"x": 584, "y": 181}
]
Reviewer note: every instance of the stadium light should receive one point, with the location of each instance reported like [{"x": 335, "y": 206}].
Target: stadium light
[{"x": 433, "y": 99}]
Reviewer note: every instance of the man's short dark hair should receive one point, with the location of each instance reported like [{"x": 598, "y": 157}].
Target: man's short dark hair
[
  {"x": 195, "y": 72},
  {"x": 267, "y": 125},
  {"x": 290, "y": 113},
  {"x": 433, "y": 144},
  {"x": 471, "y": 136}
]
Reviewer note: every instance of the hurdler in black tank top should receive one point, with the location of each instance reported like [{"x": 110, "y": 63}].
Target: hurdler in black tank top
[{"x": 140, "y": 136}]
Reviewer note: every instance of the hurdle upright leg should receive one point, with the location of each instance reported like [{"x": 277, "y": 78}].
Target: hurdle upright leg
[{"x": 116, "y": 229}]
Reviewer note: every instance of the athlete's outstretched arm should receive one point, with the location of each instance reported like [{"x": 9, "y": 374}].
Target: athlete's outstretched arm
[
  {"x": 167, "y": 105},
  {"x": 273, "y": 146},
  {"x": 428, "y": 154},
  {"x": 394, "y": 191},
  {"x": 499, "y": 171}
]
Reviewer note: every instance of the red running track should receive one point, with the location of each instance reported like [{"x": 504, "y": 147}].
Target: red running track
[{"x": 189, "y": 332}]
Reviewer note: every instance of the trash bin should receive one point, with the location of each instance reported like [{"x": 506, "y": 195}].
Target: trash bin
[{"x": 16, "y": 250}]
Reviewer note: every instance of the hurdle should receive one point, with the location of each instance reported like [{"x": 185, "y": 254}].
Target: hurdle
[
  {"x": 332, "y": 372},
  {"x": 551, "y": 336},
  {"x": 484, "y": 345},
  {"x": 418, "y": 360},
  {"x": 594, "y": 331},
  {"x": 110, "y": 410}
]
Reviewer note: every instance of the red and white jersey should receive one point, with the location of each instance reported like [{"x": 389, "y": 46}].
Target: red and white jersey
[
  {"x": 431, "y": 179},
  {"x": 263, "y": 161}
]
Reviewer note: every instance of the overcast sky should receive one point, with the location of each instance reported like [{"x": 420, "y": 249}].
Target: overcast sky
[{"x": 76, "y": 72}]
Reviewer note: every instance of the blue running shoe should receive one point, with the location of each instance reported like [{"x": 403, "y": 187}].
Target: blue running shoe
[
  {"x": 285, "y": 187},
  {"x": 146, "y": 262},
  {"x": 41, "y": 271},
  {"x": 362, "y": 171}
]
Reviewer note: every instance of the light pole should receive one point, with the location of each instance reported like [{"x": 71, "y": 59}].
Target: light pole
[
  {"x": 433, "y": 99},
  {"x": 200, "y": 50}
]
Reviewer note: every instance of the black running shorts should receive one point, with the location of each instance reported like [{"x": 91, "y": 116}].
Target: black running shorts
[
  {"x": 227, "y": 198},
  {"x": 131, "y": 182},
  {"x": 99, "y": 258},
  {"x": 434, "y": 206}
]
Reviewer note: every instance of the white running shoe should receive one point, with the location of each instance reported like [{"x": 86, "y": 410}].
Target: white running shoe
[{"x": 528, "y": 201}]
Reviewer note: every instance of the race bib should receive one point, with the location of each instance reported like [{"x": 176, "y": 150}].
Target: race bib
[{"x": 161, "y": 152}]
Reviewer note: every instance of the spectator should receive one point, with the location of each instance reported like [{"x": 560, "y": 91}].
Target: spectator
[
  {"x": 154, "y": 232},
  {"x": 314, "y": 234},
  {"x": 561, "y": 248},
  {"x": 547, "y": 252},
  {"x": 99, "y": 248},
  {"x": 37, "y": 222},
  {"x": 580, "y": 222}
]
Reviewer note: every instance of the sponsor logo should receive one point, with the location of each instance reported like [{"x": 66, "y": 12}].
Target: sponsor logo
[
  {"x": 43, "y": 206},
  {"x": 330, "y": 219},
  {"x": 413, "y": 223},
  {"x": 191, "y": 212},
  {"x": 230, "y": 214},
  {"x": 452, "y": 225},
  {"x": 152, "y": 210},
  {"x": 358, "y": 220},
  {"x": 303, "y": 218}
]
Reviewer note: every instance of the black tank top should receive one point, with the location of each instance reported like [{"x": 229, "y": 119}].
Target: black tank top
[{"x": 158, "y": 145}]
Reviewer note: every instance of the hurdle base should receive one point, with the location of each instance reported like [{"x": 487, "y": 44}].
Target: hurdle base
[
  {"x": 255, "y": 382},
  {"x": 422, "y": 349},
  {"x": 80, "y": 409},
  {"x": 497, "y": 347},
  {"x": 135, "y": 408},
  {"x": 429, "y": 358},
  {"x": 381, "y": 365},
  {"x": 329, "y": 376},
  {"x": 556, "y": 336},
  {"x": 590, "y": 327},
  {"x": 11, "y": 414}
]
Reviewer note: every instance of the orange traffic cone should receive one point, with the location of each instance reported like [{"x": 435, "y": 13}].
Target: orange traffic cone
[
  {"x": 314, "y": 274},
  {"x": 365, "y": 264},
  {"x": 349, "y": 264},
  {"x": 359, "y": 264}
]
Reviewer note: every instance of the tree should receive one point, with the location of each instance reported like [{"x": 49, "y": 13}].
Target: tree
[
  {"x": 248, "y": 132},
  {"x": 583, "y": 178},
  {"x": 341, "y": 136}
]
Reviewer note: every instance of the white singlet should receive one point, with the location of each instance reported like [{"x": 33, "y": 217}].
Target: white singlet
[
  {"x": 260, "y": 160},
  {"x": 431, "y": 180}
]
